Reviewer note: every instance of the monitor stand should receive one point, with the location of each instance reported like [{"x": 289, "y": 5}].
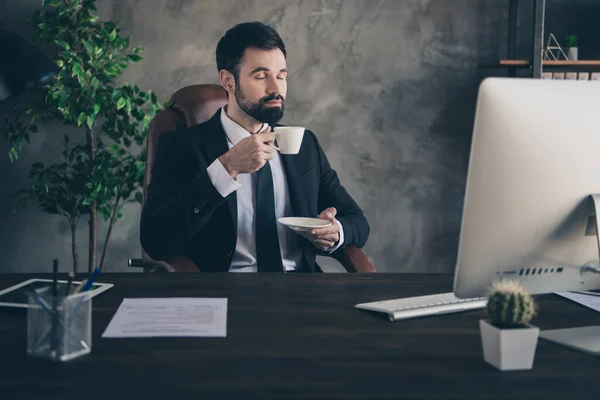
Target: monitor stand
[{"x": 585, "y": 338}]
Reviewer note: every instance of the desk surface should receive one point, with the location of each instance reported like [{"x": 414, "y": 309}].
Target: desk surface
[{"x": 297, "y": 336}]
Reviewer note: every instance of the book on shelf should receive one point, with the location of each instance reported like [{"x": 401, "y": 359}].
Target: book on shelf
[
  {"x": 584, "y": 76},
  {"x": 571, "y": 76}
]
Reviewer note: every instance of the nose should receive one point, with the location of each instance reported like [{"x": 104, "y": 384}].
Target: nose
[{"x": 273, "y": 86}]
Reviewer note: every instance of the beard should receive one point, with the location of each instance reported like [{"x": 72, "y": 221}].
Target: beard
[{"x": 259, "y": 111}]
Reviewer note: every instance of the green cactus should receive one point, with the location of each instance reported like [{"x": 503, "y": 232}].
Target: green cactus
[{"x": 509, "y": 305}]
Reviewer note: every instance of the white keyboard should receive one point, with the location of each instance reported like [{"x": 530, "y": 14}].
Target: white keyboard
[{"x": 422, "y": 306}]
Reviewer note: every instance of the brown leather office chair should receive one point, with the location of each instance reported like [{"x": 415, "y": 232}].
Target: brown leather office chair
[{"x": 193, "y": 105}]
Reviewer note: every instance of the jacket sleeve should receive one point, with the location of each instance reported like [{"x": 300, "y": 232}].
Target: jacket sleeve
[
  {"x": 333, "y": 194},
  {"x": 178, "y": 204}
]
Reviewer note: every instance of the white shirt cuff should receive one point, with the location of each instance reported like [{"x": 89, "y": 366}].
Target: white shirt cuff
[
  {"x": 341, "y": 241},
  {"x": 221, "y": 179}
]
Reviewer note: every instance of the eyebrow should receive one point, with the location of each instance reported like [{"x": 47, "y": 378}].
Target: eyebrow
[{"x": 265, "y": 69}]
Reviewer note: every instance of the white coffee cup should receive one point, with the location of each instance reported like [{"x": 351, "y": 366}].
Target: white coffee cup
[{"x": 289, "y": 138}]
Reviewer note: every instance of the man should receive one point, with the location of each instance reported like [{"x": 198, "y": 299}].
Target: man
[{"x": 218, "y": 188}]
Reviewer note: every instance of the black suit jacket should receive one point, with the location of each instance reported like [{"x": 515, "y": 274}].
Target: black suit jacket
[{"x": 184, "y": 214}]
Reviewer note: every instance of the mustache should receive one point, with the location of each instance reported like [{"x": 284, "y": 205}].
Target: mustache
[{"x": 272, "y": 96}]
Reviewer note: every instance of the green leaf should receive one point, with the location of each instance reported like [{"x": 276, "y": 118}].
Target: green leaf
[
  {"x": 87, "y": 201},
  {"x": 60, "y": 63},
  {"x": 113, "y": 35},
  {"x": 64, "y": 45},
  {"x": 81, "y": 119},
  {"x": 134, "y": 58},
  {"x": 96, "y": 108},
  {"x": 121, "y": 103},
  {"x": 76, "y": 69},
  {"x": 90, "y": 122},
  {"x": 154, "y": 99}
]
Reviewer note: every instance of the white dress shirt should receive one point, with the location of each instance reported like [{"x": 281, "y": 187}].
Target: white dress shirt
[{"x": 244, "y": 258}]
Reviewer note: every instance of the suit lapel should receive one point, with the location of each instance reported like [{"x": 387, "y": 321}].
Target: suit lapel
[{"x": 215, "y": 145}]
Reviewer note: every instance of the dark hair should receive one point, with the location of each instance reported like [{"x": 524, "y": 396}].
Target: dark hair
[{"x": 231, "y": 47}]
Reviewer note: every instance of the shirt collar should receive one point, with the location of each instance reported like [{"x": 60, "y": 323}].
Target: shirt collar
[{"x": 233, "y": 130}]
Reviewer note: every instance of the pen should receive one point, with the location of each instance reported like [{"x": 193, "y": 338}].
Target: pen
[
  {"x": 69, "y": 283},
  {"x": 54, "y": 280},
  {"x": 87, "y": 283},
  {"x": 41, "y": 301}
]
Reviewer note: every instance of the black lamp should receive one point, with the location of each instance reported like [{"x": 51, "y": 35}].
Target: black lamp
[{"x": 22, "y": 65}]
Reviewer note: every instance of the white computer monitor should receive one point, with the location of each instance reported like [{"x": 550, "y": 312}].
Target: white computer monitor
[{"x": 534, "y": 162}]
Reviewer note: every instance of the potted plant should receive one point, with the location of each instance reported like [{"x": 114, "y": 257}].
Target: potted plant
[
  {"x": 507, "y": 338},
  {"x": 571, "y": 46},
  {"x": 102, "y": 166}
]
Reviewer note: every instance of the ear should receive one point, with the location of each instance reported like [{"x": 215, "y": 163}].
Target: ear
[{"x": 227, "y": 81}]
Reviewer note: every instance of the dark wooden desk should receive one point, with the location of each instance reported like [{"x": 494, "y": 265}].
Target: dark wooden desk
[{"x": 297, "y": 336}]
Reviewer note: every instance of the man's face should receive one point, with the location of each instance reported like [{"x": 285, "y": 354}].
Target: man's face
[{"x": 261, "y": 87}]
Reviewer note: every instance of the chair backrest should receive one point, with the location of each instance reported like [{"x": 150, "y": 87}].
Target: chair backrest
[{"x": 188, "y": 106}]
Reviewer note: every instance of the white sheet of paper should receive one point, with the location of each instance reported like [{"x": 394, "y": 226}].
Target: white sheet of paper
[
  {"x": 169, "y": 317},
  {"x": 588, "y": 300}
]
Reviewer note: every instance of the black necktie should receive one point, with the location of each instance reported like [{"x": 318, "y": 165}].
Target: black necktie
[{"x": 268, "y": 255}]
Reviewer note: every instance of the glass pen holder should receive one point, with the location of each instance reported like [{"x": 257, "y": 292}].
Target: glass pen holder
[{"x": 60, "y": 335}]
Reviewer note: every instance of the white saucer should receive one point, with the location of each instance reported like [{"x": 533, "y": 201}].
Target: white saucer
[{"x": 302, "y": 224}]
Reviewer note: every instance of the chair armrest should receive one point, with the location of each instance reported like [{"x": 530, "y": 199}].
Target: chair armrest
[
  {"x": 353, "y": 260},
  {"x": 173, "y": 264},
  {"x": 182, "y": 264},
  {"x": 149, "y": 265}
]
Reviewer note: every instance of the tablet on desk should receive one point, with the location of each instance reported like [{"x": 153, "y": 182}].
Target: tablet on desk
[{"x": 15, "y": 296}]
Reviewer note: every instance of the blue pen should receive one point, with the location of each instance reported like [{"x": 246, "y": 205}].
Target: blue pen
[
  {"x": 90, "y": 281},
  {"x": 87, "y": 284},
  {"x": 84, "y": 287}
]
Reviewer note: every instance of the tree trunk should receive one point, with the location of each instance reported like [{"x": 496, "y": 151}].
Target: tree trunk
[
  {"x": 74, "y": 246},
  {"x": 113, "y": 218},
  {"x": 93, "y": 241},
  {"x": 93, "y": 238}
]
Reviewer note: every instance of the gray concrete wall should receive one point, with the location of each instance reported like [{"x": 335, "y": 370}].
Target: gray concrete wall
[{"x": 389, "y": 87}]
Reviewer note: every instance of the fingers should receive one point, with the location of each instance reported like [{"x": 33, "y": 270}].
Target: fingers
[
  {"x": 323, "y": 244},
  {"x": 335, "y": 228},
  {"x": 328, "y": 213},
  {"x": 265, "y": 137},
  {"x": 329, "y": 238},
  {"x": 266, "y": 148}
]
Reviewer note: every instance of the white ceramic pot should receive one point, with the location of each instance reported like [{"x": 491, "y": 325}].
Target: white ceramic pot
[
  {"x": 509, "y": 349},
  {"x": 572, "y": 53}
]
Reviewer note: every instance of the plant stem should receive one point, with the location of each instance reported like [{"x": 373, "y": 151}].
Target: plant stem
[
  {"x": 93, "y": 241},
  {"x": 113, "y": 218},
  {"x": 74, "y": 246}
]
